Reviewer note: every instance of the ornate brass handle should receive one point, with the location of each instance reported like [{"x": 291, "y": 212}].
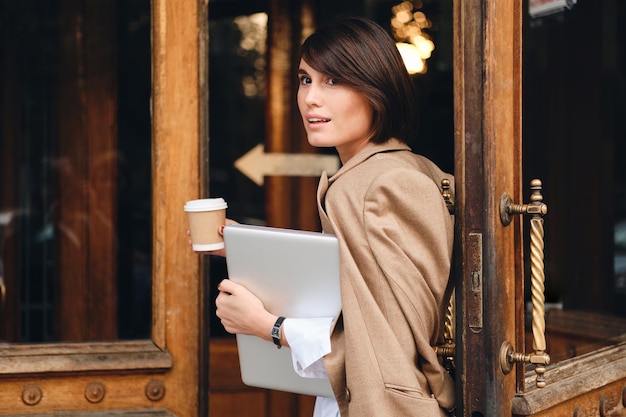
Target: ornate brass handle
[
  {"x": 447, "y": 195},
  {"x": 447, "y": 349},
  {"x": 536, "y": 209}
]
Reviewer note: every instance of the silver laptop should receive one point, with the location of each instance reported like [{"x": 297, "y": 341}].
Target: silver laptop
[{"x": 296, "y": 274}]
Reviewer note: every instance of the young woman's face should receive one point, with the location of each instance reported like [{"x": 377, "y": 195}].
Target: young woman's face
[{"x": 333, "y": 114}]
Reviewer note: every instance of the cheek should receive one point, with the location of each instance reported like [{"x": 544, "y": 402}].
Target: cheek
[
  {"x": 299, "y": 100},
  {"x": 363, "y": 114},
  {"x": 360, "y": 107}
]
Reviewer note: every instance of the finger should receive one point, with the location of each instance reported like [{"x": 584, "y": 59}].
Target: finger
[
  {"x": 227, "y": 286},
  {"x": 219, "y": 304},
  {"x": 228, "y": 327}
]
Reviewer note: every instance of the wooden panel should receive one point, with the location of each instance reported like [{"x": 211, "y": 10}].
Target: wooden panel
[
  {"x": 577, "y": 382},
  {"x": 83, "y": 357},
  {"x": 228, "y": 392},
  {"x": 609, "y": 398},
  {"x": 239, "y": 404},
  {"x": 224, "y": 366},
  {"x": 67, "y": 393}
]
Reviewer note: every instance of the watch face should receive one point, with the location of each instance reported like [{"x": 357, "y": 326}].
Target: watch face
[{"x": 275, "y": 332}]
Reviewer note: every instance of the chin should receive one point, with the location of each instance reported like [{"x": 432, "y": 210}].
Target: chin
[
  {"x": 317, "y": 141},
  {"x": 318, "y": 144}
]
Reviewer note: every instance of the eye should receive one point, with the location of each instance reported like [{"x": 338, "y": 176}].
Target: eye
[
  {"x": 304, "y": 79},
  {"x": 333, "y": 81}
]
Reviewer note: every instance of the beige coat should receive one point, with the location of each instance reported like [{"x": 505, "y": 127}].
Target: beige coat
[{"x": 396, "y": 236}]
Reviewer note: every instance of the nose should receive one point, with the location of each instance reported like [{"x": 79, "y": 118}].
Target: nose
[{"x": 311, "y": 95}]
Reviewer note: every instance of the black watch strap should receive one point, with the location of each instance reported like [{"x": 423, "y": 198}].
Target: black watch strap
[{"x": 275, "y": 333}]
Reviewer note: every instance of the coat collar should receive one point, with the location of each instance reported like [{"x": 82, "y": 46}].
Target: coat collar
[{"x": 370, "y": 149}]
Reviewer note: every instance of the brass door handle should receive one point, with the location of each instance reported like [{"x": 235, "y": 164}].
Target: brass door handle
[
  {"x": 447, "y": 348},
  {"x": 536, "y": 209}
]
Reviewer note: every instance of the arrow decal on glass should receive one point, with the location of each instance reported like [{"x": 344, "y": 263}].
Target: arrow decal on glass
[{"x": 256, "y": 164}]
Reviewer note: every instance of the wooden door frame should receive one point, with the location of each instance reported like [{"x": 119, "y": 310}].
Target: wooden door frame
[
  {"x": 487, "y": 91},
  {"x": 88, "y": 378}
]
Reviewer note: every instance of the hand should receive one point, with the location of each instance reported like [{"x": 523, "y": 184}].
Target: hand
[
  {"x": 241, "y": 312},
  {"x": 218, "y": 252}
]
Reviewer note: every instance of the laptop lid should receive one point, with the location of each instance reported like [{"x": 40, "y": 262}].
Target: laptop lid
[{"x": 296, "y": 274}]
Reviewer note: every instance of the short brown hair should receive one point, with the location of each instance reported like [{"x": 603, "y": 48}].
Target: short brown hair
[{"x": 362, "y": 55}]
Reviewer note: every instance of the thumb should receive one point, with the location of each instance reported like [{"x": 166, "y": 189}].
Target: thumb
[{"x": 227, "y": 286}]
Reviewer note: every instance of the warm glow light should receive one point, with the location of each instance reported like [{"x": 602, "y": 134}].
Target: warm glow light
[
  {"x": 410, "y": 55},
  {"x": 253, "y": 30},
  {"x": 421, "y": 20},
  {"x": 404, "y": 16},
  {"x": 414, "y": 45},
  {"x": 424, "y": 46},
  {"x": 253, "y": 43}
]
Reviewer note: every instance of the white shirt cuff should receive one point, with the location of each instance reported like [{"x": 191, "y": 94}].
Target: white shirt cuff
[{"x": 309, "y": 341}]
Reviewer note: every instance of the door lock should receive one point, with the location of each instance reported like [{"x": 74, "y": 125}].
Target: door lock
[{"x": 536, "y": 209}]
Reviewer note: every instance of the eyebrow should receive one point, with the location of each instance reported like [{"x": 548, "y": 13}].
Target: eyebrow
[{"x": 301, "y": 71}]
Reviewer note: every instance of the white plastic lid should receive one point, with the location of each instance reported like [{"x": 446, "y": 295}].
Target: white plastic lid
[{"x": 206, "y": 204}]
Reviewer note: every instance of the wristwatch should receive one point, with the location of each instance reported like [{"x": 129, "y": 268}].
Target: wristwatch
[{"x": 275, "y": 333}]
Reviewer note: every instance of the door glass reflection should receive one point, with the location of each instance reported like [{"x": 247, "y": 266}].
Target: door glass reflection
[
  {"x": 75, "y": 223},
  {"x": 237, "y": 94},
  {"x": 575, "y": 142}
]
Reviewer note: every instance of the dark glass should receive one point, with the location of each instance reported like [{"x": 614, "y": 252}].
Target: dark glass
[
  {"x": 40, "y": 179},
  {"x": 574, "y": 133}
]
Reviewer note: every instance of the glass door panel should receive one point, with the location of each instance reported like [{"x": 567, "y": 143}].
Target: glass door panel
[
  {"x": 574, "y": 84},
  {"x": 75, "y": 155}
]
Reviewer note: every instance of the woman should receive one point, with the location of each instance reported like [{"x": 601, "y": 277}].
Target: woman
[{"x": 394, "y": 230}]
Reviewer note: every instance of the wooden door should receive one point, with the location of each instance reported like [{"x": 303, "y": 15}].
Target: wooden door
[
  {"x": 163, "y": 374},
  {"x": 524, "y": 109},
  {"x": 488, "y": 164}
]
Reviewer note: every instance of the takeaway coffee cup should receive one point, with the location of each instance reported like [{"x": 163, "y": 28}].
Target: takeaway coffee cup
[{"x": 205, "y": 216}]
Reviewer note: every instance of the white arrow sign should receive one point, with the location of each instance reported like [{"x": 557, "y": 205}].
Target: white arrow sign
[{"x": 256, "y": 164}]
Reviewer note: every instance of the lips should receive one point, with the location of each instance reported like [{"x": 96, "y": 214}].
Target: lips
[{"x": 317, "y": 120}]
